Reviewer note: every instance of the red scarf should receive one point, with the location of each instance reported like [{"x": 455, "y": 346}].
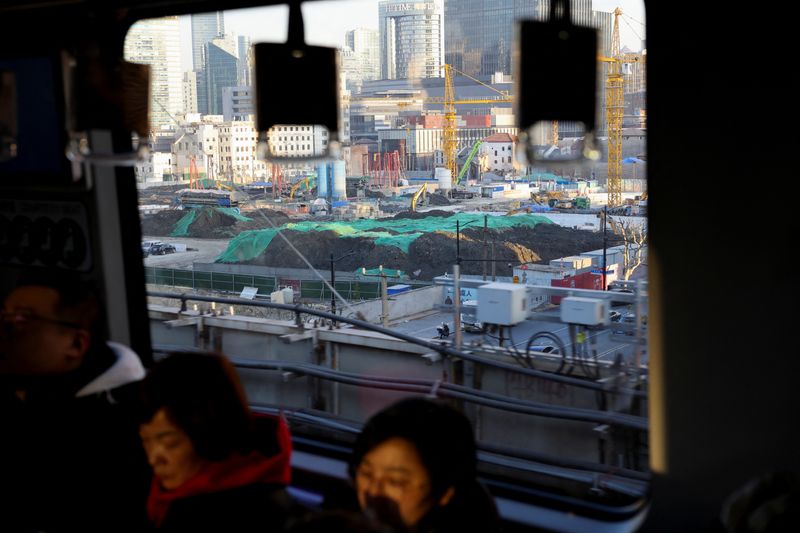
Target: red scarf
[{"x": 236, "y": 471}]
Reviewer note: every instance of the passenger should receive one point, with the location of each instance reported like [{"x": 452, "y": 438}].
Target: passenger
[
  {"x": 69, "y": 455},
  {"x": 414, "y": 468},
  {"x": 217, "y": 468}
]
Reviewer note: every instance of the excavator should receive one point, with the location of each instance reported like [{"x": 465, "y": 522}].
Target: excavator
[
  {"x": 303, "y": 181},
  {"x": 417, "y": 195},
  {"x": 472, "y": 153},
  {"x": 458, "y": 190}
]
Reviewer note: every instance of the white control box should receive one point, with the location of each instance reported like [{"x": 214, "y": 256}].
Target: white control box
[
  {"x": 505, "y": 304},
  {"x": 584, "y": 311}
]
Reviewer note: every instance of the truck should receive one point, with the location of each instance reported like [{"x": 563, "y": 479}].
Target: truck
[{"x": 207, "y": 198}]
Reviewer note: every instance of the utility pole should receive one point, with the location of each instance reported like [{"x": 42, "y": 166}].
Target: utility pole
[
  {"x": 494, "y": 277},
  {"x": 333, "y": 287},
  {"x": 333, "y": 281},
  {"x": 605, "y": 244},
  {"x": 384, "y": 300},
  {"x": 485, "y": 224},
  {"x": 457, "y": 306}
]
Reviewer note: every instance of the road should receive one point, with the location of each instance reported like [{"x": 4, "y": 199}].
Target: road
[
  {"x": 608, "y": 345},
  {"x": 200, "y": 251}
]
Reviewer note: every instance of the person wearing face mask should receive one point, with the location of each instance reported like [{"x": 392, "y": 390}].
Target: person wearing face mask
[
  {"x": 215, "y": 466},
  {"x": 414, "y": 468}
]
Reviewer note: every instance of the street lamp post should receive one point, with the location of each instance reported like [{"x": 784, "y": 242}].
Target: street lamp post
[
  {"x": 384, "y": 294},
  {"x": 459, "y": 227},
  {"x": 605, "y": 244}
]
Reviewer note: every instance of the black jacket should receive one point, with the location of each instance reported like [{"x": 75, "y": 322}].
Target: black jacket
[
  {"x": 73, "y": 463},
  {"x": 260, "y": 507}
]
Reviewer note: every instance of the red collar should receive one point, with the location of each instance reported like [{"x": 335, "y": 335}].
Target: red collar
[{"x": 233, "y": 472}]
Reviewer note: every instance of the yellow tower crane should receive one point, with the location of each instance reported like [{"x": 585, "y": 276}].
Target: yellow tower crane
[
  {"x": 449, "y": 102},
  {"x": 615, "y": 107}
]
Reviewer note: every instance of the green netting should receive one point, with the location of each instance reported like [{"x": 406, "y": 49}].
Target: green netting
[
  {"x": 182, "y": 226},
  {"x": 233, "y": 212},
  {"x": 398, "y": 232}
]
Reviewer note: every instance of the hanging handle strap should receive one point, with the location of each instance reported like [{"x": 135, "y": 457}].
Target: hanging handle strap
[{"x": 565, "y": 15}]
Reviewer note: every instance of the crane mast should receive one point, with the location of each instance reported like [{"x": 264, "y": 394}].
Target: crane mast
[
  {"x": 449, "y": 143},
  {"x": 615, "y": 105},
  {"x": 449, "y": 102}
]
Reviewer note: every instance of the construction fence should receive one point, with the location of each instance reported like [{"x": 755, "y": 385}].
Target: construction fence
[{"x": 308, "y": 289}]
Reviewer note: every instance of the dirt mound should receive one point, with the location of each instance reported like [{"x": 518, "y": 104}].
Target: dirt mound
[
  {"x": 438, "y": 199},
  {"x": 161, "y": 224},
  {"x": 318, "y": 246},
  {"x": 212, "y": 224},
  {"x": 434, "y": 253},
  {"x": 369, "y": 193},
  {"x": 262, "y": 218},
  {"x": 416, "y": 215}
]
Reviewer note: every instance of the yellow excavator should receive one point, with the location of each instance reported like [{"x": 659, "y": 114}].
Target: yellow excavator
[
  {"x": 417, "y": 195},
  {"x": 297, "y": 186}
]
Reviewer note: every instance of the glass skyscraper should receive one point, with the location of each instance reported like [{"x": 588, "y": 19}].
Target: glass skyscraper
[
  {"x": 410, "y": 39},
  {"x": 156, "y": 42},
  {"x": 478, "y": 34},
  {"x": 205, "y": 28},
  {"x": 222, "y": 70}
]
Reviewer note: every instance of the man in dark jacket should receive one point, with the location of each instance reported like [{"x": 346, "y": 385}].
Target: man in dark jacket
[{"x": 69, "y": 456}]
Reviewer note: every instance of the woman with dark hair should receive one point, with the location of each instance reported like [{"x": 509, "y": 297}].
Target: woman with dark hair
[
  {"x": 215, "y": 466},
  {"x": 414, "y": 467}
]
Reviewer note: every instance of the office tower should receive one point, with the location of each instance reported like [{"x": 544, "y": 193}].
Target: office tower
[
  {"x": 189, "y": 91},
  {"x": 365, "y": 46},
  {"x": 156, "y": 42},
  {"x": 604, "y": 22},
  {"x": 479, "y": 34},
  {"x": 205, "y": 27},
  {"x": 410, "y": 39},
  {"x": 245, "y": 53},
  {"x": 221, "y": 70}
]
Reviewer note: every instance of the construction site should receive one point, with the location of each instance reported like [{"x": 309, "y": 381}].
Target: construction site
[{"x": 478, "y": 207}]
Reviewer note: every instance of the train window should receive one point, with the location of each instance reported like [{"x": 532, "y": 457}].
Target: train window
[{"x": 486, "y": 280}]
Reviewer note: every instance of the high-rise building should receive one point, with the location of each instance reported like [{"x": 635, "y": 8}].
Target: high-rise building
[
  {"x": 156, "y": 42},
  {"x": 205, "y": 27},
  {"x": 221, "y": 70},
  {"x": 604, "y": 22},
  {"x": 189, "y": 91},
  {"x": 410, "y": 39},
  {"x": 237, "y": 103},
  {"x": 245, "y": 53},
  {"x": 366, "y": 50},
  {"x": 479, "y": 34}
]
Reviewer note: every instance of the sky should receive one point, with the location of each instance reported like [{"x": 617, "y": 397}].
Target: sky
[{"x": 327, "y": 21}]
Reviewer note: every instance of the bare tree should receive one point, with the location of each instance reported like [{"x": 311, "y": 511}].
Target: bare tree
[{"x": 633, "y": 234}]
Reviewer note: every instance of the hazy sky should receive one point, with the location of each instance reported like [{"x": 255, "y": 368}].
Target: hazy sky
[{"x": 327, "y": 21}]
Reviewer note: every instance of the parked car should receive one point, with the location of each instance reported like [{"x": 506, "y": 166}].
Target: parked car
[
  {"x": 469, "y": 323},
  {"x": 614, "y": 316},
  {"x": 145, "y": 252},
  {"x": 472, "y": 327},
  {"x": 162, "y": 248}
]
